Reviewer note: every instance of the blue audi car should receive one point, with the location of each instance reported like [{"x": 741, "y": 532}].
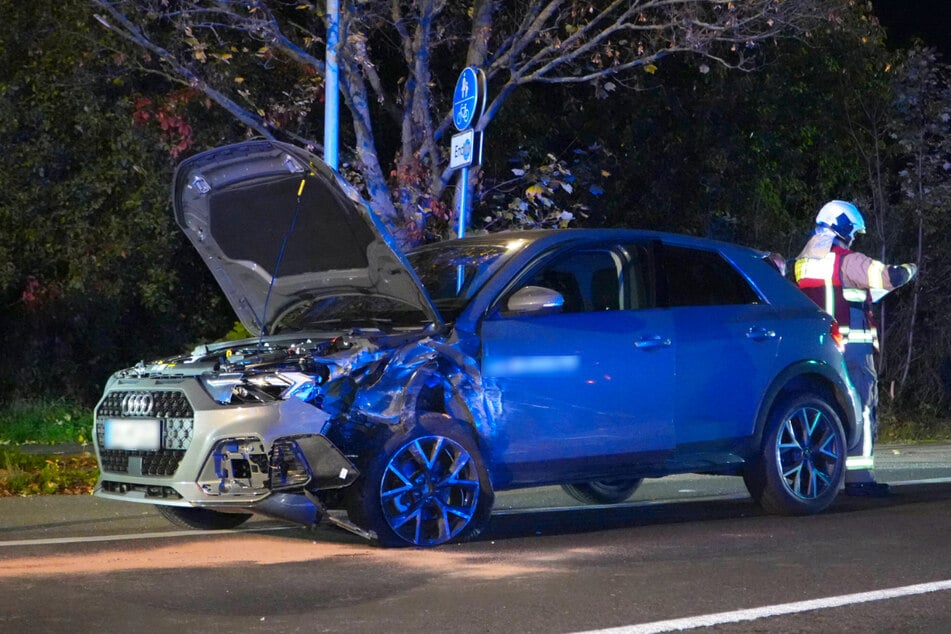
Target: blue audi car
[{"x": 407, "y": 388}]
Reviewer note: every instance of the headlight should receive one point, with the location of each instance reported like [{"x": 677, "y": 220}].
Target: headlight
[
  {"x": 240, "y": 389},
  {"x": 220, "y": 387}
]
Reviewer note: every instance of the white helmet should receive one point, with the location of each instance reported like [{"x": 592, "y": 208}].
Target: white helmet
[{"x": 843, "y": 218}]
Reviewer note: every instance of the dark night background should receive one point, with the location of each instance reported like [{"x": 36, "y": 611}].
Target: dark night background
[
  {"x": 94, "y": 274},
  {"x": 928, "y": 20}
]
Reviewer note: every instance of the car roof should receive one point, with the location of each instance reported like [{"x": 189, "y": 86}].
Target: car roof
[
  {"x": 538, "y": 241},
  {"x": 550, "y": 237}
]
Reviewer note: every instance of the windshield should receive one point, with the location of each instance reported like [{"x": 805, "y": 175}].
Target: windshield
[
  {"x": 345, "y": 312},
  {"x": 453, "y": 272}
]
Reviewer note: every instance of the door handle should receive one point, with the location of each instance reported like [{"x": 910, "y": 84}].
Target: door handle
[
  {"x": 758, "y": 333},
  {"x": 655, "y": 341}
]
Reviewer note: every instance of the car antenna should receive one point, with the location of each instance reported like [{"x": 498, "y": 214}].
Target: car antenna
[{"x": 280, "y": 255}]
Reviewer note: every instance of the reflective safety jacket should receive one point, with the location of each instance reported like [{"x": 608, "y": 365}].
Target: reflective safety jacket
[
  {"x": 841, "y": 282},
  {"x": 841, "y": 295}
]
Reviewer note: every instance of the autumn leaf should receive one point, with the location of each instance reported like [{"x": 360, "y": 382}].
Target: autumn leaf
[{"x": 534, "y": 191}]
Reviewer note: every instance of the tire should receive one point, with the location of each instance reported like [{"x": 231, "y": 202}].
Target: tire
[
  {"x": 603, "y": 491},
  {"x": 802, "y": 462},
  {"x": 426, "y": 487},
  {"x": 202, "y": 519}
]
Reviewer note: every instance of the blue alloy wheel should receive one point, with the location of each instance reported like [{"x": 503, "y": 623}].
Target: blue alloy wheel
[
  {"x": 430, "y": 490},
  {"x": 808, "y": 453},
  {"x": 802, "y": 464}
]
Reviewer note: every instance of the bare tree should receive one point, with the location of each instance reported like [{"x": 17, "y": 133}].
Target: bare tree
[
  {"x": 922, "y": 130},
  {"x": 390, "y": 50},
  {"x": 902, "y": 133}
]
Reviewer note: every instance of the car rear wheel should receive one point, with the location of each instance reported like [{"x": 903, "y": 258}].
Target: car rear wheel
[
  {"x": 202, "y": 519},
  {"x": 603, "y": 491},
  {"x": 802, "y": 463},
  {"x": 426, "y": 487}
]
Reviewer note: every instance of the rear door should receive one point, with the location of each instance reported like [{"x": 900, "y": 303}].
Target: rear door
[{"x": 727, "y": 344}]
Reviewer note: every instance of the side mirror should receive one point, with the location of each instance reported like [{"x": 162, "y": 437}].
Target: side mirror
[{"x": 534, "y": 300}]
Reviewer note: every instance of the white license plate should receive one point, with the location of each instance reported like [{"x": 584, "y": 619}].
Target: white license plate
[{"x": 133, "y": 435}]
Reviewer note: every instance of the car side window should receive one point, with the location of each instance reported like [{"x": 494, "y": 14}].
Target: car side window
[
  {"x": 639, "y": 276},
  {"x": 595, "y": 279},
  {"x": 696, "y": 277},
  {"x": 589, "y": 280}
]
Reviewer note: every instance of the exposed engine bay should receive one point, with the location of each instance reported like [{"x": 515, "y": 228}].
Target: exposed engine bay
[{"x": 258, "y": 370}]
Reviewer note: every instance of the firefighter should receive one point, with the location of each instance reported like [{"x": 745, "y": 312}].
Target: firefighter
[{"x": 844, "y": 283}]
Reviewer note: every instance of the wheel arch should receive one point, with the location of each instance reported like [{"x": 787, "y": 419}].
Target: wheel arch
[
  {"x": 430, "y": 377},
  {"x": 445, "y": 386},
  {"x": 812, "y": 376}
]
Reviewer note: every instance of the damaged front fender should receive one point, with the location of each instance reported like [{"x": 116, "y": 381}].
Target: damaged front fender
[{"x": 429, "y": 376}]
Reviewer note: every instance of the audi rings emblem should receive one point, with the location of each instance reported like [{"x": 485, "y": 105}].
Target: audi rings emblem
[{"x": 137, "y": 404}]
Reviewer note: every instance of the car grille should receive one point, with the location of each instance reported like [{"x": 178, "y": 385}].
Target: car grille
[{"x": 176, "y": 417}]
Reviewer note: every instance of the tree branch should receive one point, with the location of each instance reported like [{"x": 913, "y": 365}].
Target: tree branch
[{"x": 130, "y": 32}]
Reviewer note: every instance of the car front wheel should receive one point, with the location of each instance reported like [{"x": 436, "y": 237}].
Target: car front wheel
[
  {"x": 603, "y": 491},
  {"x": 426, "y": 487},
  {"x": 202, "y": 519},
  {"x": 802, "y": 463}
]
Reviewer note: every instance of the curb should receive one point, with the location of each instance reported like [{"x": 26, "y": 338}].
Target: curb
[{"x": 61, "y": 449}]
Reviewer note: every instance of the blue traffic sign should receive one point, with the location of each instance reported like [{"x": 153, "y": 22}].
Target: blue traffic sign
[{"x": 468, "y": 100}]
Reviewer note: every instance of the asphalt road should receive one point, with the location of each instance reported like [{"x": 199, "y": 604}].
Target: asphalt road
[{"x": 683, "y": 548}]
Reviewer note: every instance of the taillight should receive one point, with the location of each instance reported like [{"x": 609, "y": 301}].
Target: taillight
[{"x": 837, "y": 337}]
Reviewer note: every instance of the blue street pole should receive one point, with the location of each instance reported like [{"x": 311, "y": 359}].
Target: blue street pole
[
  {"x": 468, "y": 104},
  {"x": 463, "y": 220},
  {"x": 331, "y": 92},
  {"x": 463, "y": 202}
]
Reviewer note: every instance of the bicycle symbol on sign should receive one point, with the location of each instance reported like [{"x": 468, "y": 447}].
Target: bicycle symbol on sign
[{"x": 462, "y": 115}]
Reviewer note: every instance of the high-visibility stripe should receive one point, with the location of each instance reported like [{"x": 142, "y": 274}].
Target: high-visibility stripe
[
  {"x": 859, "y": 336},
  {"x": 824, "y": 270},
  {"x": 876, "y": 271},
  {"x": 867, "y": 431},
  {"x": 856, "y": 295},
  {"x": 866, "y": 461}
]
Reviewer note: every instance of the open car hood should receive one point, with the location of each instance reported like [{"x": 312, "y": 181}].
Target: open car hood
[{"x": 262, "y": 208}]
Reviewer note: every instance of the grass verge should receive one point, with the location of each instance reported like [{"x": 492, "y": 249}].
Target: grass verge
[
  {"x": 29, "y": 474},
  {"x": 918, "y": 429},
  {"x": 44, "y": 423}
]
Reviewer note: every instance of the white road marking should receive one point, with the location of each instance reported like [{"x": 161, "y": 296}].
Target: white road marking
[
  {"x": 581, "y": 507},
  {"x": 752, "y": 614},
  {"x": 133, "y": 536},
  {"x": 925, "y": 481}
]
